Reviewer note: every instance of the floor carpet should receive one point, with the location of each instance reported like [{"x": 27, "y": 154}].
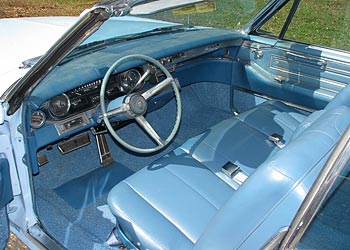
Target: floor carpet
[{"x": 71, "y": 190}]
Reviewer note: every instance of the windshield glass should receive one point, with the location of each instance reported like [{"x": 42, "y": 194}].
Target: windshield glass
[{"x": 225, "y": 14}]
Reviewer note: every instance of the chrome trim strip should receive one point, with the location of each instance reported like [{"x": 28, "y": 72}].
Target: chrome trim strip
[
  {"x": 300, "y": 107},
  {"x": 274, "y": 242},
  {"x": 248, "y": 44},
  {"x": 324, "y": 80},
  {"x": 40, "y": 235}
]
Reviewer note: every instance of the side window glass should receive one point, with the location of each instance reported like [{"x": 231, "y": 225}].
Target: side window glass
[
  {"x": 274, "y": 25},
  {"x": 325, "y": 23}
]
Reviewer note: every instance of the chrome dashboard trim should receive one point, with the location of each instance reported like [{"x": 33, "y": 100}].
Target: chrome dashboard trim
[{"x": 71, "y": 123}]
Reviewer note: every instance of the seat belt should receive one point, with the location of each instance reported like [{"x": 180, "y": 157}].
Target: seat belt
[
  {"x": 234, "y": 172},
  {"x": 277, "y": 140}
]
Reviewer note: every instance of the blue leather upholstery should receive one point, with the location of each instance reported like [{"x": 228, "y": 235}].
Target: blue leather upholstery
[
  {"x": 342, "y": 98},
  {"x": 243, "y": 139},
  {"x": 282, "y": 182},
  {"x": 168, "y": 205},
  {"x": 5, "y": 183},
  {"x": 178, "y": 203},
  {"x": 5, "y": 197}
]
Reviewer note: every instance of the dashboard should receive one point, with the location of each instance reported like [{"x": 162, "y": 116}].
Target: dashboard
[
  {"x": 66, "y": 102},
  {"x": 73, "y": 110}
]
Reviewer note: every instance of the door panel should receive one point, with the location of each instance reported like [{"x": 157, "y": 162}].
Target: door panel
[
  {"x": 5, "y": 197},
  {"x": 302, "y": 74}
]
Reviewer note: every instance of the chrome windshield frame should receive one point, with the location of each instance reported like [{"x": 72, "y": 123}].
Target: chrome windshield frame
[{"x": 86, "y": 25}]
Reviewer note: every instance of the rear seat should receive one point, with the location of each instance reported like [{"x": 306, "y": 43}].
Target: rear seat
[{"x": 177, "y": 203}]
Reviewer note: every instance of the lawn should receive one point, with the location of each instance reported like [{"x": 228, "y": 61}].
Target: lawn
[
  {"x": 25, "y": 8},
  {"x": 323, "y": 22}
]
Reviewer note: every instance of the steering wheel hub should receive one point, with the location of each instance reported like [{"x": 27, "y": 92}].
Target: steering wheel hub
[{"x": 138, "y": 104}]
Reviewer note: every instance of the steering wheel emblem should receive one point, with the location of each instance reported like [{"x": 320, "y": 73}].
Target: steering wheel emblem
[{"x": 138, "y": 104}]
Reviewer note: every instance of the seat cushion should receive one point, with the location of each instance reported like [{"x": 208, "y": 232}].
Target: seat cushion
[
  {"x": 168, "y": 204},
  {"x": 243, "y": 139},
  {"x": 273, "y": 117}
]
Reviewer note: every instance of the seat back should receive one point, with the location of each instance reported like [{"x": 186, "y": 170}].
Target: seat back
[
  {"x": 341, "y": 99},
  {"x": 271, "y": 196}
]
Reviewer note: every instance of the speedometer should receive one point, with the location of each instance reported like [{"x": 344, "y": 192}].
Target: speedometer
[
  {"x": 129, "y": 79},
  {"x": 59, "y": 105}
]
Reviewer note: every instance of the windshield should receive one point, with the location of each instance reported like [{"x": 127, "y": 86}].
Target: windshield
[
  {"x": 224, "y": 14},
  {"x": 227, "y": 14}
]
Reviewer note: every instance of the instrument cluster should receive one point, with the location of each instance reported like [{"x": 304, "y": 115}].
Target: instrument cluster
[{"x": 87, "y": 96}]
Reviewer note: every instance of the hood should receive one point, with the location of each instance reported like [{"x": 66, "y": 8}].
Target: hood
[{"x": 26, "y": 38}]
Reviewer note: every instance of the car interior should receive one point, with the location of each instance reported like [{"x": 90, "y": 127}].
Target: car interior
[{"x": 249, "y": 132}]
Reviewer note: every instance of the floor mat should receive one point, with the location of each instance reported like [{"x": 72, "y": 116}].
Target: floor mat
[
  {"x": 71, "y": 190},
  {"x": 81, "y": 191},
  {"x": 330, "y": 228}
]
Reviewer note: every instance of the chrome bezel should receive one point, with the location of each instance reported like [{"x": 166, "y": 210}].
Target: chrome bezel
[
  {"x": 126, "y": 88},
  {"x": 40, "y": 116},
  {"x": 65, "y": 112}
]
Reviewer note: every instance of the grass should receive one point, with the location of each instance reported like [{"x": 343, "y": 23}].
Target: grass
[
  {"x": 26, "y": 8},
  {"x": 322, "y": 22},
  {"x": 230, "y": 14}
]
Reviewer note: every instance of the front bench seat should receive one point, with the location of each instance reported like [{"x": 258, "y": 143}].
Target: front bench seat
[
  {"x": 177, "y": 203},
  {"x": 239, "y": 138},
  {"x": 168, "y": 204}
]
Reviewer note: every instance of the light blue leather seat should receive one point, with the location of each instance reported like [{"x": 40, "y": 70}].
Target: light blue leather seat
[
  {"x": 168, "y": 204},
  {"x": 184, "y": 201},
  {"x": 243, "y": 139},
  {"x": 342, "y": 98},
  {"x": 271, "y": 196}
]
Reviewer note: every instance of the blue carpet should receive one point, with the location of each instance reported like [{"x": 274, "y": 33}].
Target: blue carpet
[
  {"x": 331, "y": 228},
  {"x": 71, "y": 190},
  {"x": 4, "y": 228},
  {"x": 81, "y": 191}
]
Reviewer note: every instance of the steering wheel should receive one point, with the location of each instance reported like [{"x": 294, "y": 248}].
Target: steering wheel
[{"x": 134, "y": 105}]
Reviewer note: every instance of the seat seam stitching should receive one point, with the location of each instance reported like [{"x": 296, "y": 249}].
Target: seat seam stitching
[
  {"x": 181, "y": 179},
  {"x": 132, "y": 221},
  {"x": 283, "y": 111},
  {"x": 161, "y": 213},
  {"x": 252, "y": 127}
]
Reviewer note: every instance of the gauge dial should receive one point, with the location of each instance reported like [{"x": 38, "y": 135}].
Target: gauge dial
[
  {"x": 129, "y": 79},
  {"x": 59, "y": 105},
  {"x": 37, "y": 119}
]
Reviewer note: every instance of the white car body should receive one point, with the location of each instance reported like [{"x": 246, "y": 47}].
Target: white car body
[{"x": 29, "y": 38}]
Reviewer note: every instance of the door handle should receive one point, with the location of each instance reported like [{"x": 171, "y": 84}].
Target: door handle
[{"x": 280, "y": 79}]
